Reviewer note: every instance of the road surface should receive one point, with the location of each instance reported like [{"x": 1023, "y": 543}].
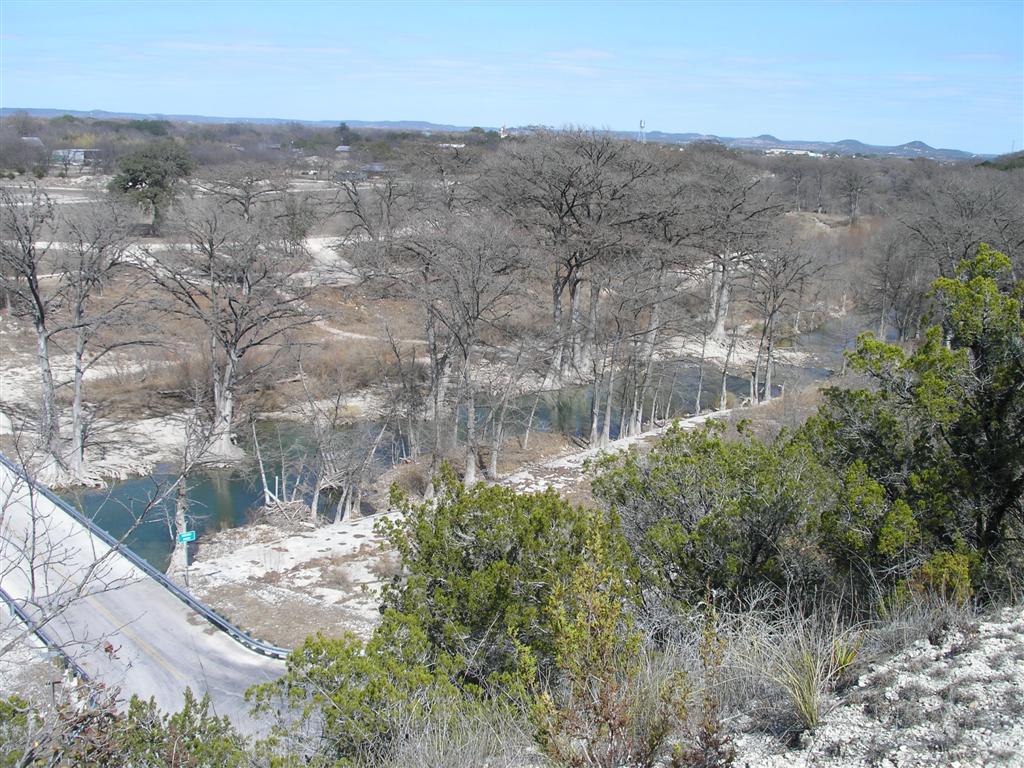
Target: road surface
[{"x": 122, "y": 627}]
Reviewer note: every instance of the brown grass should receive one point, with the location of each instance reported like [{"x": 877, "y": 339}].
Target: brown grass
[{"x": 160, "y": 388}]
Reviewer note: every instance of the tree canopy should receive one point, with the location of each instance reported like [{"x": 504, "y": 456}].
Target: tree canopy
[{"x": 151, "y": 176}]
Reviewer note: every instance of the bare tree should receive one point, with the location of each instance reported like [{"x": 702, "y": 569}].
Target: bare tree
[
  {"x": 90, "y": 260},
  {"x": 853, "y": 177},
  {"x": 735, "y": 209},
  {"x": 777, "y": 276},
  {"x": 395, "y": 232},
  {"x": 950, "y": 212},
  {"x": 244, "y": 188},
  {"x": 27, "y": 217},
  {"x": 575, "y": 193},
  {"x": 60, "y": 286},
  {"x": 477, "y": 266},
  {"x": 241, "y": 281}
]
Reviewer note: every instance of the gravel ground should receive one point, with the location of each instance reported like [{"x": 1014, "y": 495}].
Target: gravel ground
[{"x": 956, "y": 702}]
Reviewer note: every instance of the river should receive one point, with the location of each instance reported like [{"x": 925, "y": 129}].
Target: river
[{"x": 140, "y": 509}]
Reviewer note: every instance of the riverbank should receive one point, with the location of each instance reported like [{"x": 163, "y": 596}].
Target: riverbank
[{"x": 283, "y": 585}]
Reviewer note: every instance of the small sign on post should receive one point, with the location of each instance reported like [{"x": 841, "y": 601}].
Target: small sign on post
[{"x": 187, "y": 536}]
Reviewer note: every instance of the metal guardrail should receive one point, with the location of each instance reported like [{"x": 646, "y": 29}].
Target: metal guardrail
[
  {"x": 43, "y": 635},
  {"x": 258, "y": 646}
]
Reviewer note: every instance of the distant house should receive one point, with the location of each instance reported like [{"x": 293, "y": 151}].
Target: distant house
[
  {"x": 34, "y": 141},
  {"x": 783, "y": 151},
  {"x": 451, "y": 146},
  {"x": 376, "y": 169},
  {"x": 76, "y": 156},
  {"x": 343, "y": 148},
  {"x": 342, "y": 176}
]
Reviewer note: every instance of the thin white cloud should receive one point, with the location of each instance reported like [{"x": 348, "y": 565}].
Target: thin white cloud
[
  {"x": 979, "y": 56},
  {"x": 911, "y": 77},
  {"x": 756, "y": 61},
  {"x": 580, "y": 55},
  {"x": 253, "y": 48}
]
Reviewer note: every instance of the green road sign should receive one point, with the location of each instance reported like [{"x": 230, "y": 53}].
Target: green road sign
[{"x": 187, "y": 536}]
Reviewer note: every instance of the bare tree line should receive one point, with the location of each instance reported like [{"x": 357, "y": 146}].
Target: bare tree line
[{"x": 567, "y": 259}]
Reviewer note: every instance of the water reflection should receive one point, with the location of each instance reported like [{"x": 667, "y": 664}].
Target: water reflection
[
  {"x": 142, "y": 509},
  {"x": 221, "y": 499}
]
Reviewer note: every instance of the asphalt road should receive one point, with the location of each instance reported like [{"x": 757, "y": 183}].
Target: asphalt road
[{"x": 122, "y": 627}]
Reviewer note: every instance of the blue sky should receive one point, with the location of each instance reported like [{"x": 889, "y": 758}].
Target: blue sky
[{"x": 950, "y": 74}]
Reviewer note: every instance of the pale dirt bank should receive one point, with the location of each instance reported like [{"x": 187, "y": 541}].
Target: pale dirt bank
[{"x": 283, "y": 585}]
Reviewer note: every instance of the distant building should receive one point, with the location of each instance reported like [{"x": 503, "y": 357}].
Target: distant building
[
  {"x": 34, "y": 141},
  {"x": 783, "y": 151},
  {"x": 451, "y": 146},
  {"x": 343, "y": 148},
  {"x": 376, "y": 169},
  {"x": 76, "y": 156}
]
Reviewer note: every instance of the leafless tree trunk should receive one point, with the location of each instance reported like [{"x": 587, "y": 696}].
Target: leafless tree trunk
[
  {"x": 26, "y": 218},
  {"x": 240, "y": 280},
  {"x": 723, "y": 401},
  {"x": 93, "y": 258}
]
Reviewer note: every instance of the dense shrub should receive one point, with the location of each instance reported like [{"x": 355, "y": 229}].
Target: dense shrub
[
  {"x": 356, "y": 698},
  {"x": 480, "y": 564},
  {"x": 483, "y": 614},
  {"x": 940, "y": 432},
  {"x": 915, "y": 482}
]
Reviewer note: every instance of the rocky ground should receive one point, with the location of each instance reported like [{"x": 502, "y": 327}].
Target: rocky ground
[
  {"x": 955, "y": 700},
  {"x": 284, "y": 586},
  {"x": 26, "y": 668}
]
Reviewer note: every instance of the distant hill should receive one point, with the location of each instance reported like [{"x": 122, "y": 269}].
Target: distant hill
[
  {"x": 100, "y": 114},
  {"x": 1008, "y": 162},
  {"x": 845, "y": 147},
  {"x": 761, "y": 143}
]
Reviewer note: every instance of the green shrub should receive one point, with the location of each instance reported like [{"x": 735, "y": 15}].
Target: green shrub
[
  {"x": 946, "y": 575},
  {"x": 702, "y": 511},
  {"x": 193, "y": 736},
  {"x": 939, "y": 433},
  {"x": 358, "y": 697},
  {"x": 609, "y": 707},
  {"x": 479, "y": 565}
]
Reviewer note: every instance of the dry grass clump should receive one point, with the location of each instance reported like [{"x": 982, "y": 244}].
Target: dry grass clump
[
  {"x": 448, "y": 737},
  {"x": 410, "y": 477},
  {"x": 778, "y": 666},
  {"x": 782, "y": 669},
  {"x": 355, "y": 363},
  {"x": 918, "y": 616},
  {"x": 807, "y": 659},
  {"x": 541, "y": 445},
  {"x": 787, "y": 412},
  {"x": 356, "y": 311},
  {"x": 153, "y": 387}
]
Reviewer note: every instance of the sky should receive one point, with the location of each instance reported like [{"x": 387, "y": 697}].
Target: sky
[{"x": 947, "y": 73}]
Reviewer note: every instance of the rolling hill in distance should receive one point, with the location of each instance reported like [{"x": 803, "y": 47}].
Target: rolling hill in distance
[{"x": 763, "y": 142}]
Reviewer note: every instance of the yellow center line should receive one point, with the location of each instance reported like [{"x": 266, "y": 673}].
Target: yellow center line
[
  {"x": 121, "y": 627},
  {"x": 144, "y": 646}
]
